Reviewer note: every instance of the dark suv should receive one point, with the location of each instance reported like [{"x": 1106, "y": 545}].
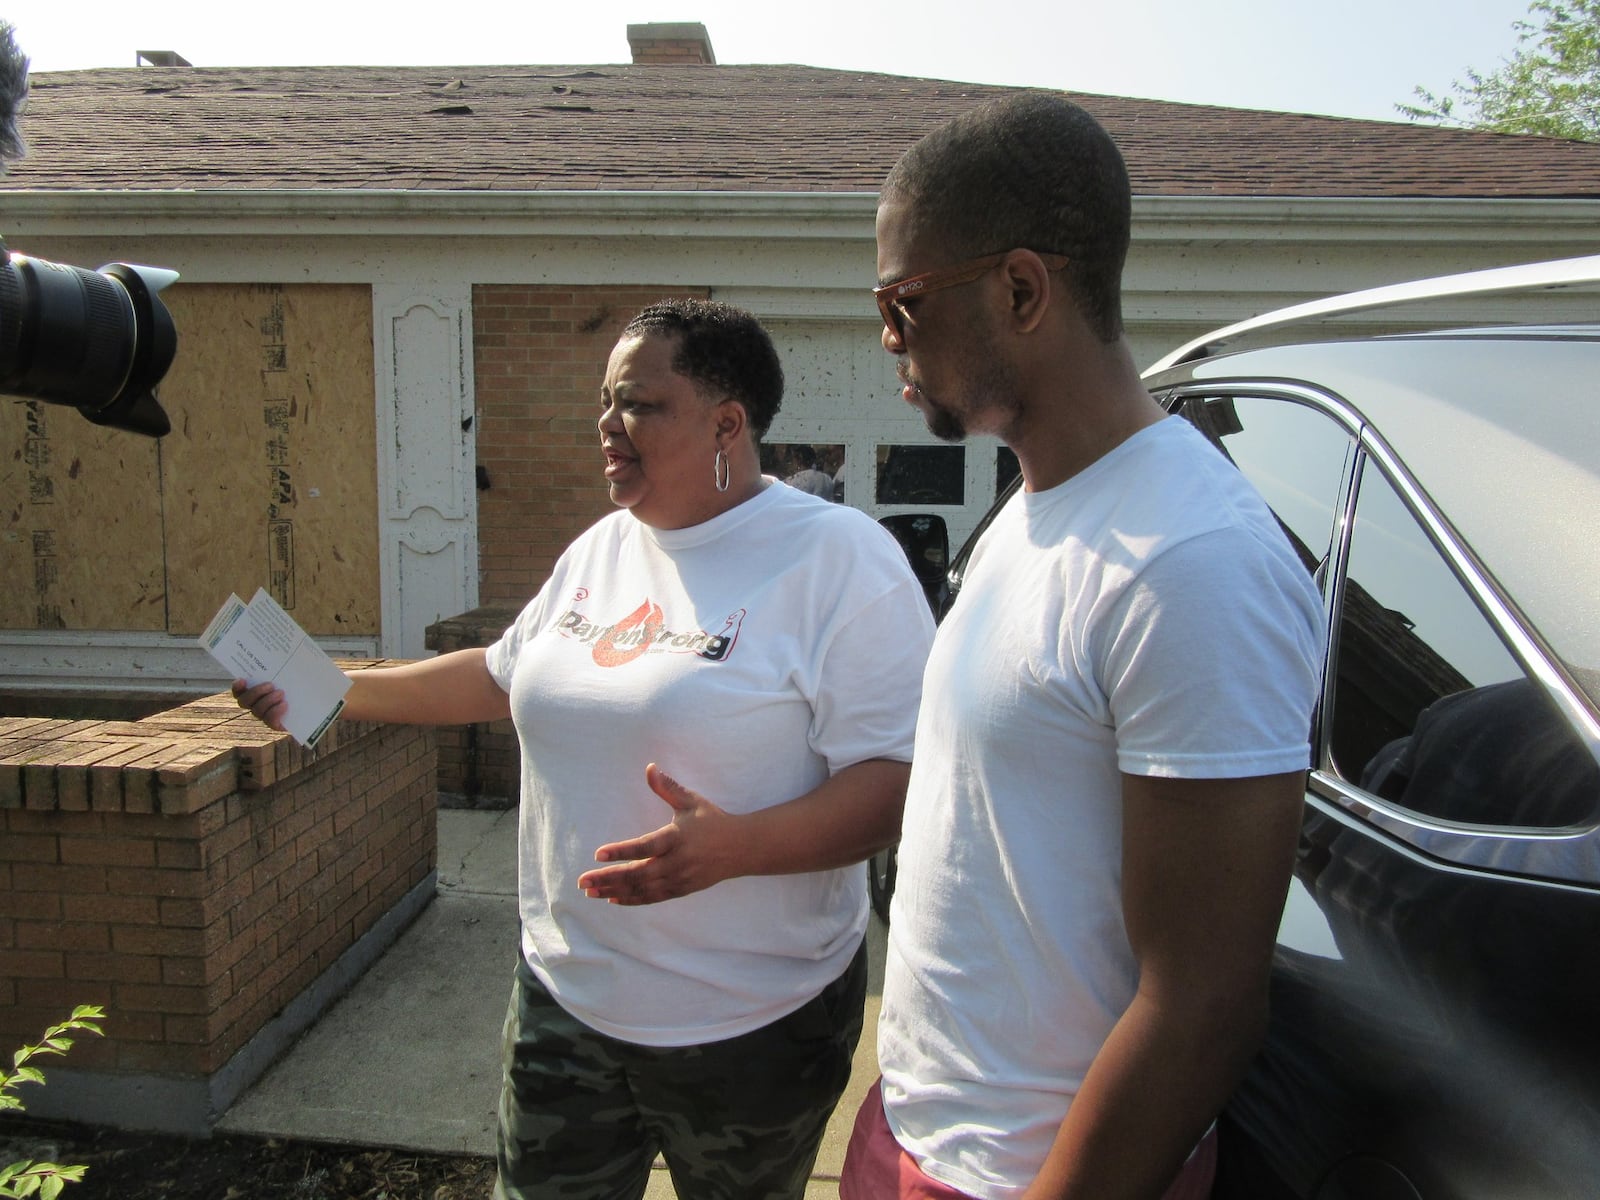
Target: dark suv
[{"x": 1435, "y": 1026}]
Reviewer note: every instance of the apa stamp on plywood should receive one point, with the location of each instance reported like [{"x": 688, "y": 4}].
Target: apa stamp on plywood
[{"x": 277, "y": 414}]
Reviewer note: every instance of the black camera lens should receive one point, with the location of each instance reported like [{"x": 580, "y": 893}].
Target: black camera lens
[{"x": 97, "y": 340}]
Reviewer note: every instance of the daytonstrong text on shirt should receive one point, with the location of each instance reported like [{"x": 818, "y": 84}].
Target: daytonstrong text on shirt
[{"x": 644, "y": 631}]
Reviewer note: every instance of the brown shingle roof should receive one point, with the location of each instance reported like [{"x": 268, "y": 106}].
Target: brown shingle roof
[{"x": 691, "y": 128}]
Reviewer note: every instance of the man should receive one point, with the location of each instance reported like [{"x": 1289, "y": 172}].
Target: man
[
  {"x": 1111, "y": 750},
  {"x": 807, "y": 477}
]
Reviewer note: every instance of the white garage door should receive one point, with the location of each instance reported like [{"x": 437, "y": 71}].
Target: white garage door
[{"x": 843, "y": 417}]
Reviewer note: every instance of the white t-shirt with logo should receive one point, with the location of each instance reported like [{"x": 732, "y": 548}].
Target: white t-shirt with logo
[
  {"x": 1145, "y": 617},
  {"x": 750, "y": 657}
]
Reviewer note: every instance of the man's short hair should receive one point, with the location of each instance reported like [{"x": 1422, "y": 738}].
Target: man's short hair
[
  {"x": 1031, "y": 170},
  {"x": 723, "y": 349}
]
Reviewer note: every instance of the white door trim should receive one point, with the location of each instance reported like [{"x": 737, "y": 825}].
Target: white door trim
[{"x": 427, "y": 498}]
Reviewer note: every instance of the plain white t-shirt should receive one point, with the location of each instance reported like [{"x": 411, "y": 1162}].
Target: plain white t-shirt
[
  {"x": 751, "y": 657},
  {"x": 1147, "y": 616}
]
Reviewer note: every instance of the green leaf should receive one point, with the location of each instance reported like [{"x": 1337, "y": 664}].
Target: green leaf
[
  {"x": 1550, "y": 84},
  {"x": 45, "y": 1178}
]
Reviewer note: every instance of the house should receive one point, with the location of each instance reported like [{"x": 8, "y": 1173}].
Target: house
[{"x": 399, "y": 287}]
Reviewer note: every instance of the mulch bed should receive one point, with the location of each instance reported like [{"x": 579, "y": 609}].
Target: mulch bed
[{"x": 147, "y": 1166}]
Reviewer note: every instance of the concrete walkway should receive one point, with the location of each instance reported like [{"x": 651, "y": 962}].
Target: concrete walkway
[{"x": 409, "y": 1057}]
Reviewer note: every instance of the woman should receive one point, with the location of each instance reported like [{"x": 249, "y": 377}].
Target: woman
[{"x": 721, "y": 636}]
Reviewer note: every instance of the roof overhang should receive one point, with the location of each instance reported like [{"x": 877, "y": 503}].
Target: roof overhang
[
  {"x": 346, "y": 214},
  {"x": 788, "y": 215}
]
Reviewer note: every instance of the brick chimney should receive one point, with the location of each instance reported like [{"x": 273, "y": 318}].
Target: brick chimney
[{"x": 671, "y": 43}]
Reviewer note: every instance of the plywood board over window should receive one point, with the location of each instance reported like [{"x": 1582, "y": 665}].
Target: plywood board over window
[
  {"x": 268, "y": 478},
  {"x": 80, "y": 528}
]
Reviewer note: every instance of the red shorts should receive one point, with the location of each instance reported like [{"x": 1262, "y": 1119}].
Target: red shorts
[{"x": 876, "y": 1168}]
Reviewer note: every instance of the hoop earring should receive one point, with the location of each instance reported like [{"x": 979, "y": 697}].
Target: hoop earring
[{"x": 719, "y": 470}]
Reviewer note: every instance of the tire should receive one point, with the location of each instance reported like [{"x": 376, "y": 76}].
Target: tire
[{"x": 880, "y": 881}]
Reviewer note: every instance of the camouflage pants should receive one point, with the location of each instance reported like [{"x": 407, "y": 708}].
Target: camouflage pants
[{"x": 583, "y": 1115}]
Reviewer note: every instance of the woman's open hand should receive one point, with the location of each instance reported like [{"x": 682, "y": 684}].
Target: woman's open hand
[{"x": 698, "y": 848}]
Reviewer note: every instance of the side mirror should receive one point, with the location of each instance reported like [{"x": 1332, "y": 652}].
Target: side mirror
[{"x": 926, "y": 542}]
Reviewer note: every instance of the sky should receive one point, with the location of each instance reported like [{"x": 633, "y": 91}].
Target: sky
[{"x": 1353, "y": 58}]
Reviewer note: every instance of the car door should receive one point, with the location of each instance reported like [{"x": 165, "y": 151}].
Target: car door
[{"x": 1435, "y": 986}]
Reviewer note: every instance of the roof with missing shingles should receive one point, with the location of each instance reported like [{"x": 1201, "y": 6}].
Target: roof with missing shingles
[{"x": 691, "y": 128}]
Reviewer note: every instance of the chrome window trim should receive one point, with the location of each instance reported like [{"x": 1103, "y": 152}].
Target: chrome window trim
[
  {"x": 1522, "y": 850},
  {"x": 1568, "y": 857},
  {"x": 1551, "y": 854},
  {"x": 1508, "y": 621},
  {"x": 1338, "y": 800}
]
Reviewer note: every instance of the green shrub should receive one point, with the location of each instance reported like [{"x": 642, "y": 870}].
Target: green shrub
[{"x": 44, "y": 1179}]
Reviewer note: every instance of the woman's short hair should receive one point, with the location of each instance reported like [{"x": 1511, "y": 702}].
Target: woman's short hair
[
  {"x": 723, "y": 349},
  {"x": 1034, "y": 171}
]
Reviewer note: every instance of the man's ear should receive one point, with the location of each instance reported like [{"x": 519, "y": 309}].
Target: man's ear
[{"x": 1032, "y": 290}]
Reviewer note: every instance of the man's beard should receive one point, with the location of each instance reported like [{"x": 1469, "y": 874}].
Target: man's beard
[
  {"x": 993, "y": 392},
  {"x": 942, "y": 423}
]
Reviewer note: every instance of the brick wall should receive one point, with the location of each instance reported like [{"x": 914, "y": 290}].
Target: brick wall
[
  {"x": 673, "y": 52},
  {"x": 479, "y": 765},
  {"x": 539, "y": 358},
  {"x": 193, "y": 873},
  {"x": 670, "y": 42}
]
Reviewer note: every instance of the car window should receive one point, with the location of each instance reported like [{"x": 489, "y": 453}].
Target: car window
[
  {"x": 1294, "y": 456},
  {"x": 1431, "y": 711}
]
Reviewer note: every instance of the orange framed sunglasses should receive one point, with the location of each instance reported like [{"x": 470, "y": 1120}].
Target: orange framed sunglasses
[{"x": 891, "y": 297}]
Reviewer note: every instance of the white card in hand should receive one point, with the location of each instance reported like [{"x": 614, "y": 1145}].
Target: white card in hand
[{"x": 261, "y": 643}]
